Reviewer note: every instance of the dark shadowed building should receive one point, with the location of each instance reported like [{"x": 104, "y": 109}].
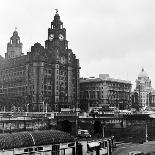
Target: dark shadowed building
[{"x": 46, "y": 79}]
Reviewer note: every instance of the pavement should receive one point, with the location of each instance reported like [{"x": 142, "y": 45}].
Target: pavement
[{"x": 125, "y": 148}]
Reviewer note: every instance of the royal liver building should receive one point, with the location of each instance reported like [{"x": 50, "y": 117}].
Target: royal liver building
[{"x": 46, "y": 79}]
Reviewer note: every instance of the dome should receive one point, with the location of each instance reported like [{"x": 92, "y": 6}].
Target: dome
[
  {"x": 15, "y": 33},
  {"x": 142, "y": 74}
]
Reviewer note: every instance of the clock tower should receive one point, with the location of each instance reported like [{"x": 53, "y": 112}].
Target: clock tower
[
  {"x": 56, "y": 34},
  {"x": 65, "y": 67}
]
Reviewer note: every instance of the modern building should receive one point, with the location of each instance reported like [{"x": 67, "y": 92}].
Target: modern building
[
  {"x": 143, "y": 93},
  {"x": 46, "y": 79},
  {"x": 98, "y": 92}
]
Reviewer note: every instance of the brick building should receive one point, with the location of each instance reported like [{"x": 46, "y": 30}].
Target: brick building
[
  {"x": 97, "y": 92},
  {"x": 46, "y": 79}
]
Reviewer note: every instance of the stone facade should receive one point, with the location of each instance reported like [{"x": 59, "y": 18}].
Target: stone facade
[
  {"x": 143, "y": 89},
  {"x": 152, "y": 99},
  {"x": 46, "y": 79},
  {"x": 143, "y": 93},
  {"x": 97, "y": 92}
]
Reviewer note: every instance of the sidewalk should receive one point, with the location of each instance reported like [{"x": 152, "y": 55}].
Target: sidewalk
[{"x": 125, "y": 148}]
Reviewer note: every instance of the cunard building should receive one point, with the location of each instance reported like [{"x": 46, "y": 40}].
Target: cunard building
[{"x": 46, "y": 79}]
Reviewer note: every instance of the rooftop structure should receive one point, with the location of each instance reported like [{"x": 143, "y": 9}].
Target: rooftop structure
[{"x": 35, "y": 138}]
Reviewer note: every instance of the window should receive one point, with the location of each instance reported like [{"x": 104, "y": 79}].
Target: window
[
  {"x": 49, "y": 71},
  {"x": 38, "y": 149},
  {"x": 30, "y": 150},
  {"x": 55, "y": 149}
]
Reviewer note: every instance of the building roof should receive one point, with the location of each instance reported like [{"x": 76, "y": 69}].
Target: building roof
[
  {"x": 87, "y": 80},
  {"x": 34, "y": 138}
]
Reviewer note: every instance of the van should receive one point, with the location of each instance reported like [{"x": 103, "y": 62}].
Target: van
[{"x": 83, "y": 134}]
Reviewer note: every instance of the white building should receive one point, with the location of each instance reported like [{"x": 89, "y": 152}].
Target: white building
[{"x": 143, "y": 88}]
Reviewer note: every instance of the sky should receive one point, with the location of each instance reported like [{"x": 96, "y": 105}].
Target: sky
[{"x": 115, "y": 37}]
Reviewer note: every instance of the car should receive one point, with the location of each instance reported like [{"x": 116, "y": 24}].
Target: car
[
  {"x": 83, "y": 134},
  {"x": 136, "y": 153},
  {"x": 151, "y": 153}
]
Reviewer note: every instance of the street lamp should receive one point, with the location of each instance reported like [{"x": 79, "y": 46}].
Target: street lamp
[
  {"x": 146, "y": 132},
  {"x": 103, "y": 129},
  {"x": 43, "y": 105},
  {"x": 27, "y": 107}
]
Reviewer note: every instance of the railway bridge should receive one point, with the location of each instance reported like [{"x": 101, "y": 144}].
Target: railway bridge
[
  {"x": 99, "y": 124},
  {"x": 105, "y": 124}
]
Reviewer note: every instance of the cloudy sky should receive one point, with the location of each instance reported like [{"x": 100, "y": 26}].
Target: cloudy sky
[{"x": 108, "y": 36}]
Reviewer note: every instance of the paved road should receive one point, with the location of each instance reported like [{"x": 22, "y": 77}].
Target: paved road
[{"x": 124, "y": 149}]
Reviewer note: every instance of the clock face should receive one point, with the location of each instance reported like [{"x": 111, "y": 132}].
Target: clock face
[
  {"x": 61, "y": 37},
  {"x": 51, "y": 36}
]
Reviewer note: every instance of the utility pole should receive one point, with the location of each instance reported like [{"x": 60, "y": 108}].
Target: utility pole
[
  {"x": 146, "y": 132},
  {"x": 43, "y": 106},
  {"x": 103, "y": 130}
]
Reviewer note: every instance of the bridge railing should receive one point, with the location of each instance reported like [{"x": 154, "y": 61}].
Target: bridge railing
[
  {"x": 26, "y": 114},
  {"x": 65, "y": 114}
]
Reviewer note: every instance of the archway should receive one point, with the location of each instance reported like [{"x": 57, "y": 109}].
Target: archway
[
  {"x": 97, "y": 127},
  {"x": 66, "y": 126}
]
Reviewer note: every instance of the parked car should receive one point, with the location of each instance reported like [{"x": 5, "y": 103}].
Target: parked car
[
  {"x": 83, "y": 134},
  {"x": 151, "y": 153},
  {"x": 136, "y": 153}
]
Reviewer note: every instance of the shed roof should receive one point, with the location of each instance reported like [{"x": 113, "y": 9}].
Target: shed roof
[{"x": 34, "y": 138}]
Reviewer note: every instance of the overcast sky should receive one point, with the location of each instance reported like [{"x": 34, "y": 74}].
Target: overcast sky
[{"x": 115, "y": 37}]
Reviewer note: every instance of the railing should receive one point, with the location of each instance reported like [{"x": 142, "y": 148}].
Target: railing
[
  {"x": 26, "y": 114},
  {"x": 64, "y": 114}
]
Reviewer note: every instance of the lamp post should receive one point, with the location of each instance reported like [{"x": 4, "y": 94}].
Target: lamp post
[
  {"x": 103, "y": 129},
  {"x": 43, "y": 106},
  {"x": 27, "y": 107},
  {"x": 146, "y": 132},
  {"x": 46, "y": 107}
]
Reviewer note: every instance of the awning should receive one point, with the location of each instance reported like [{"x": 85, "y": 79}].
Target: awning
[
  {"x": 93, "y": 144},
  {"x": 152, "y": 115}
]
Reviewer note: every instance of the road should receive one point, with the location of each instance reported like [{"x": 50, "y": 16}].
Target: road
[{"x": 124, "y": 149}]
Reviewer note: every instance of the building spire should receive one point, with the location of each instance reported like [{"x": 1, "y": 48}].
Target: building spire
[
  {"x": 57, "y": 24},
  {"x": 56, "y": 11},
  {"x": 14, "y": 47}
]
